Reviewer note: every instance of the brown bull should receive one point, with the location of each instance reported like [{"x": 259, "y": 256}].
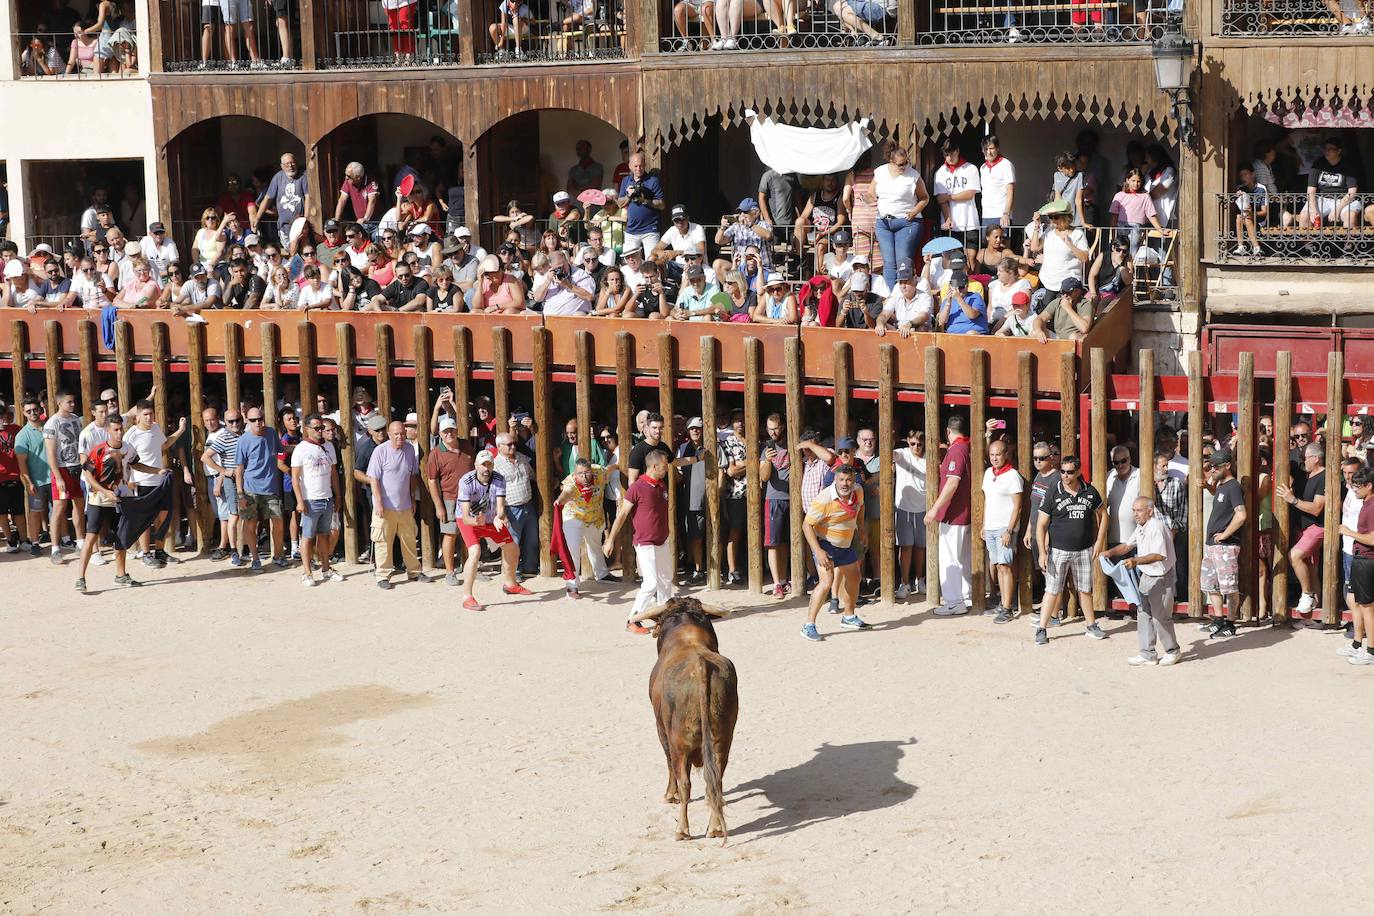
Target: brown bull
[{"x": 695, "y": 696}]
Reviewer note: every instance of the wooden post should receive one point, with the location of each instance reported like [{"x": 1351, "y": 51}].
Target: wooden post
[
  {"x": 1069, "y": 444},
  {"x": 887, "y": 474},
  {"x": 124, "y": 364},
  {"x": 310, "y": 18},
  {"x": 625, "y": 429},
  {"x": 1146, "y": 436},
  {"x": 384, "y": 351},
  {"x": 1283, "y": 477},
  {"x": 462, "y": 380},
  {"x": 1247, "y": 470},
  {"x": 844, "y": 382},
  {"x": 1197, "y": 424},
  {"x": 710, "y": 445},
  {"x": 1097, "y": 361},
  {"x": 309, "y": 378},
  {"x": 543, "y": 442},
  {"x": 343, "y": 347},
  {"x": 90, "y": 375},
  {"x": 162, "y": 403},
  {"x": 667, "y": 375},
  {"x": 934, "y": 395},
  {"x": 424, "y": 376},
  {"x": 753, "y": 358},
  {"x": 204, "y": 514},
  {"x": 270, "y": 367},
  {"x": 500, "y": 379},
  {"x": 1025, "y": 445},
  {"x": 1331, "y": 546},
  {"x": 19, "y": 361},
  {"x": 585, "y": 366},
  {"x": 792, "y": 353},
  {"x": 233, "y": 369},
  {"x": 52, "y": 361},
  {"x": 468, "y": 34},
  {"x": 978, "y": 460}
]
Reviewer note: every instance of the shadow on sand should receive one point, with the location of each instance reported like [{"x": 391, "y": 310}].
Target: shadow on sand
[{"x": 838, "y": 780}]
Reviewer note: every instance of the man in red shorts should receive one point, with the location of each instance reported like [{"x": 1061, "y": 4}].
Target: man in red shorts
[
  {"x": 60, "y": 437},
  {"x": 482, "y": 514}
]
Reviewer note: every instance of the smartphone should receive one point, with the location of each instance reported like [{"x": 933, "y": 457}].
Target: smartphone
[{"x": 999, "y": 424}]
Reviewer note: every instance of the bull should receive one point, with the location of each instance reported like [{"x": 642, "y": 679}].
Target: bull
[{"x": 695, "y": 695}]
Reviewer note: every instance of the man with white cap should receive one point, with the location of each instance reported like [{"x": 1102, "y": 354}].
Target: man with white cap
[
  {"x": 860, "y": 305},
  {"x": 444, "y": 470},
  {"x": 682, "y": 237},
  {"x": 159, "y": 248},
  {"x": 566, "y": 218},
  {"x": 482, "y": 515},
  {"x": 19, "y": 291},
  {"x": 908, "y": 307},
  {"x": 202, "y": 291}
]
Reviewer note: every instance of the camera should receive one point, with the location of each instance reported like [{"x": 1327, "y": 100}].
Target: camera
[
  {"x": 560, "y": 273},
  {"x": 635, "y": 193}
]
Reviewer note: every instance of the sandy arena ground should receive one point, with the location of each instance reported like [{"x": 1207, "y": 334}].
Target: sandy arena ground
[{"x": 235, "y": 744}]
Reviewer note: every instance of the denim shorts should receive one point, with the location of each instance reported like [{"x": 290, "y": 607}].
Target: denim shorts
[
  {"x": 227, "y": 502},
  {"x": 317, "y": 517},
  {"x": 869, "y": 11},
  {"x": 997, "y": 554}
]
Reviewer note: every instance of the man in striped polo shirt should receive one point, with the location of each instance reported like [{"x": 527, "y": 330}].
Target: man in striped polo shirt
[
  {"x": 831, "y": 527},
  {"x": 218, "y": 459}
]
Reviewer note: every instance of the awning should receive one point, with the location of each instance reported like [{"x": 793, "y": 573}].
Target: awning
[{"x": 808, "y": 150}]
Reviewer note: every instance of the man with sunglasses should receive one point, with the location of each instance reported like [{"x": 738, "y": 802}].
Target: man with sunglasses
[
  {"x": 258, "y": 479},
  {"x": 34, "y": 471},
  {"x": 159, "y": 248},
  {"x": 61, "y": 434},
  {"x": 89, "y": 286},
  {"x": 315, "y": 480},
  {"x": 909, "y": 469},
  {"x": 220, "y": 439},
  {"x": 1307, "y": 506},
  {"x": 1123, "y": 486},
  {"x": 1220, "y": 577},
  {"x": 1072, "y": 531}
]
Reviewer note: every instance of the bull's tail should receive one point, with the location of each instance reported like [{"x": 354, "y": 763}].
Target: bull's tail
[{"x": 710, "y": 766}]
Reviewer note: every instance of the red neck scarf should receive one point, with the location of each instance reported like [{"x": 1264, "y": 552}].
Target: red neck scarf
[
  {"x": 998, "y": 472},
  {"x": 993, "y": 162},
  {"x": 956, "y": 165}
]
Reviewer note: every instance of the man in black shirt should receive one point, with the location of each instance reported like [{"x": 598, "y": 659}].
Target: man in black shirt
[
  {"x": 1221, "y": 550},
  {"x": 245, "y": 289},
  {"x": 1071, "y": 528},
  {"x": 406, "y": 293},
  {"x": 1307, "y": 501},
  {"x": 1333, "y": 192},
  {"x": 653, "y": 442}
]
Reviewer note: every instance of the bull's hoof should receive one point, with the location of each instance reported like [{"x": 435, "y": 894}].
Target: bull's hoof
[
  {"x": 671, "y": 799},
  {"x": 717, "y": 833},
  {"x": 683, "y": 835}
]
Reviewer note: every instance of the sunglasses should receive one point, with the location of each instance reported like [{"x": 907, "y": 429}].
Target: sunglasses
[
  {"x": 255, "y": 419},
  {"x": 1121, "y": 464},
  {"x": 308, "y": 252},
  {"x": 317, "y": 427},
  {"x": 235, "y": 420},
  {"x": 350, "y": 235},
  {"x": 1040, "y": 457}
]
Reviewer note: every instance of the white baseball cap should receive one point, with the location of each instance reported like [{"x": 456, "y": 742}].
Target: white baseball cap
[
  {"x": 14, "y": 268},
  {"x": 447, "y": 423}
]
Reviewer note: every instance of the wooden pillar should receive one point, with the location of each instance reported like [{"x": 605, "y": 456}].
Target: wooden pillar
[
  {"x": 934, "y": 395},
  {"x": 343, "y": 343},
  {"x": 19, "y": 361},
  {"x": 308, "y": 348},
  {"x": 887, "y": 474},
  {"x": 978, "y": 460},
  {"x": 625, "y": 429},
  {"x": 500, "y": 379},
  {"x": 753, "y": 358},
  {"x": 310, "y": 20},
  {"x": 1283, "y": 477},
  {"x": 1146, "y": 436},
  {"x": 667, "y": 375},
  {"x": 1101, "y": 462},
  {"x": 87, "y": 344},
  {"x": 424, "y": 375},
  {"x": 384, "y": 351},
  {"x": 462, "y": 380},
  {"x": 1247, "y": 470},
  {"x": 710, "y": 445},
  {"x": 52, "y": 361},
  {"x": 162, "y": 403},
  {"x": 233, "y": 369},
  {"x": 271, "y": 360},
  {"x": 584, "y": 366},
  {"x": 1197, "y": 424},
  {"x": 1331, "y": 546},
  {"x": 468, "y": 33},
  {"x": 1025, "y": 445},
  {"x": 792, "y": 354},
  {"x": 844, "y": 382},
  {"x": 543, "y": 442},
  {"x": 124, "y": 364},
  {"x": 204, "y": 514}
]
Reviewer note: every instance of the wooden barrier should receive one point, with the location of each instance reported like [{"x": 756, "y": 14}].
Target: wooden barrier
[
  {"x": 343, "y": 347},
  {"x": 1331, "y": 546},
  {"x": 753, "y": 350},
  {"x": 1283, "y": 477},
  {"x": 710, "y": 422},
  {"x": 934, "y": 436},
  {"x": 1025, "y": 446},
  {"x": 1101, "y": 460},
  {"x": 978, "y": 459},
  {"x": 1247, "y": 471},
  {"x": 423, "y": 377},
  {"x": 797, "y": 511}
]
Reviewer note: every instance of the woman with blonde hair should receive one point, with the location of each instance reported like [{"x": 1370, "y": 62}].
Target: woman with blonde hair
[
  {"x": 208, "y": 245},
  {"x": 281, "y": 292}
]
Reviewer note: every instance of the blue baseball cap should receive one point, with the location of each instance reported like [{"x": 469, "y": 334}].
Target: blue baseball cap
[
  {"x": 748, "y": 204},
  {"x": 846, "y": 443}
]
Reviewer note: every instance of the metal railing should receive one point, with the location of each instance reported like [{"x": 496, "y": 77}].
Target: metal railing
[
  {"x": 45, "y": 54},
  {"x": 364, "y": 34},
  {"x": 1285, "y": 234},
  {"x": 58, "y": 243},
  {"x": 1279, "y": 18},
  {"x": 783, "y": 25},
  {"x": 554, "y": 30},
  {"x": 960, "y": 22},
  {"x": 194, "y": 37}
]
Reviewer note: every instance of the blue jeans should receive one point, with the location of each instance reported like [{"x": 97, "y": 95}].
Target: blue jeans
[
  {"x": 524, "y": 527},
  {"x": 897, "y": 238}
]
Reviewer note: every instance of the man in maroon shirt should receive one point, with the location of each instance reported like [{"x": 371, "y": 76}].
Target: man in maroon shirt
[
  {"x": 12, "y": 527},
  {"x": 953, "y": 510},
  {"x": 647, "y": 499}
]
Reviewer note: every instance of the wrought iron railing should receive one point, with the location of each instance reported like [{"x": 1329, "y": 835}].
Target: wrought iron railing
[
  {"x": 1278, "y": 18},
  {"x": 960, "y": 22},
  {"x": 364, "y": 34},
  {"x": 1285, "y": 233},
  {"x": 190, "y": 43},
  {"x": 554, "y": 30},
  {"x": 799, "y": 24}
]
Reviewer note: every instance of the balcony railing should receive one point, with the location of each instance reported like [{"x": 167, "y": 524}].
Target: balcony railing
[
  {"x": 962, "y": 22},
  {"x": 804, "y": 24},
  {"x": 189, "y": 42},
  {"x": 1284, "y": 234},
  {"x": 364, "y": 34},
  {"x": 1279, "y": 18},
  {"x": 554, "y": 30}
]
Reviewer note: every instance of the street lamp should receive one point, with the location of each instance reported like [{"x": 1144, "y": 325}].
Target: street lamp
[{"x": 1173, "y": 58}]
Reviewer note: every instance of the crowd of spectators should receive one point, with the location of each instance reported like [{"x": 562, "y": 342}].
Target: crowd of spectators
[{"x": 59, "y": 40}]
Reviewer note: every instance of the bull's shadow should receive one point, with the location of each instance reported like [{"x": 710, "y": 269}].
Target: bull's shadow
[{"x": 838, "y": 780}]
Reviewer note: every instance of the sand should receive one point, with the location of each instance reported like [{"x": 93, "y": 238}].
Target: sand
[{"x": 220, "y": 743}]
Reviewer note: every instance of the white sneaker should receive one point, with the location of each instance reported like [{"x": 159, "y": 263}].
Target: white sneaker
[
  {"x": 1138, "y": 661},
  {"x": 1362, "y": 27},
  {"x": 308, "y": 581},
  {"x": 945, "y": 610},
  {"x": 1305, "y": 604},
  {"x": 1013, "y": 36},
  {"x": 98, "y": 558},
  {"x": 1349, "y": 651},
  {"x": 729, "y": 44},
  {"x": 1362, "y": 658},
  {"x": 335, "y": 576},
  {"x": 1240, "y": 249},
  {"x": 1169, "y": 658},
  {"x": 717, "y": 44},
  {"x": 903, "y": 591}
]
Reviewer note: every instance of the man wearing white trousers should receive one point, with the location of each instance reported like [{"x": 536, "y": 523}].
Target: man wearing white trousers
[
  {"x": 647, "y": 500},
  {"x": 584, "y": 519},
  {"x": 953, "y": 509}
]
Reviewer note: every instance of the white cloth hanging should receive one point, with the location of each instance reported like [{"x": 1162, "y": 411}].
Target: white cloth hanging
[{"x": 808, "y": 150}]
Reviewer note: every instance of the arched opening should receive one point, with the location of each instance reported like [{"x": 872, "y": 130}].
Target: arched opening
[
  {"x": 389, "y": 147},
  {"x": 530, "y": 156}
]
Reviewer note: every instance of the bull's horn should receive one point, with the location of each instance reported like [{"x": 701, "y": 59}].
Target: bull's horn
[
  {"x": 651, "y": 614},
  {"x": 713, "y": 611}
]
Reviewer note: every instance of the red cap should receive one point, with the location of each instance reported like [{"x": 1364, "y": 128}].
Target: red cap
[{"x": 1020, "y": 298}]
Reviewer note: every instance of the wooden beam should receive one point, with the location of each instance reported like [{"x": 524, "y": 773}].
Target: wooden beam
[
  {"x": 424, "y": 377},
  {"x": 204, "y": 515},
  {"x": 384, "y": 370},
  {"x": 667, "y": 376},
  {"x": 307, "y": 348},
  {"x": 52, "y": 335},
  {"x": 753, "y": 360},
  {"x": 233, "y": 369},
  {"x": 585, "y": 365},
  {"x": 270, "y": 372},
  {"x": 1025, "y": 445},
  {"x": 625, "y": 430},
  {"x": 343, "y": 347},
  {"x": 500, "y": 379},
  {"x": 887, "y": 474},
  {"x": 1097, "y": 361},
  {"x": 844, "y": 381},
  {"x": 468, "y": 35},
  {"x": 1197, "y": 425},
  {"x": 710, "y": 445},
  {"x": 19, "y": 360},
  {"x": 1283, "y": 477},
  {"x": 543, "y": 443},
  {"x": 462, "y": 380},
  {"x": 309, "y": 23},
  {"x": 792, "y": 355},
  {"x": 162, "y": 401},
  {"x": 934, "y": 395},
  {"x": 978, "y": 460},
  {"x": 124, "y": 363},
  {"x": 88, "y": 350},
  {"x": 1331, "y": 546},
  {"x": 1247, "y": 470}
]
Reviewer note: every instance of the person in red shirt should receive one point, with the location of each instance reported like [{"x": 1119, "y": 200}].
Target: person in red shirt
[
  {"x": 647, "y": 500},
  {"x": 103, "y": 470},
  {"x": 235, "y": 198},
  {"x": 953, "y": 510},
  {"x": 11, "y": 490}
]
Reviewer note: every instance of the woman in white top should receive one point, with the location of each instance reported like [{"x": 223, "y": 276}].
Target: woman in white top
[
  {"x": 901, "y": 197},
  {"x": 210, "y": 239},
  {"x": 281, "y": 292},
  {"x": 314, "y": 293},
  {"x": 1002, "y": 289},
  {"x": 1064, "y": 253},
  {"x": 1161, "y": 183}
]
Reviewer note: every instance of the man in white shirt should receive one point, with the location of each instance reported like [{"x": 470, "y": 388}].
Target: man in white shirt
[
  {"x": 909, "y": 467},
  {"x": 1123, "y": 486},
  {"x": 148, "y": 445},
  {"x": 683, "y": 236},
  {"x": 1154, "y": 561},
  {"x": 908, "y": 308},
  {"x": 997, "y": 177},
  {"x": 956, "y": 188},
  {"x": 565, "y": 290},
  {"x": 1003, "y": 497},
  {"x": 200, "y": 292},
  {"x": 159, "y": 249},
  {"x": 632, "y": 270},
  {"x": 89, "y": 286},
  {"x": 315, "y": 481}
]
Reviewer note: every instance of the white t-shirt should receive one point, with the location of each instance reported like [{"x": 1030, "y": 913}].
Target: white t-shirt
[
  {"x": 309, "y": 297},
  {"x": 1167, "y": 203},
  {"x": 914, "y": 311},
  {"x": 963, "y": 177},
  {"x": 90, "y": 437},
  {"x": 999, "y": 297},
  {"x": 633, "y": 279},
  {"x": 896, "y": 195},
  {"x": 159, "y": 255},
  {"x": 1121, "y": 496},
  {"x": 995, "y": 178},
  {"x": 840, "y": 270},
  {"x": 1350, "y": 518},
  {"x": 998, "y": 490},
  {"x": 317, "y": 466},
  {"x": 910, "y": 473},
  {"x": 693, "y": 238},
  {"x": 1058, "y": 263},
  {"x": 145, "y": 447}
]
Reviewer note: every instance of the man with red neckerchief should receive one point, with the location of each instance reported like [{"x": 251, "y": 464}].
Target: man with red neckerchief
[
  {"x": 997, "y": 178},
  {"x": 956, "y": 188},
  {"x": 953, "y": 510}
]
